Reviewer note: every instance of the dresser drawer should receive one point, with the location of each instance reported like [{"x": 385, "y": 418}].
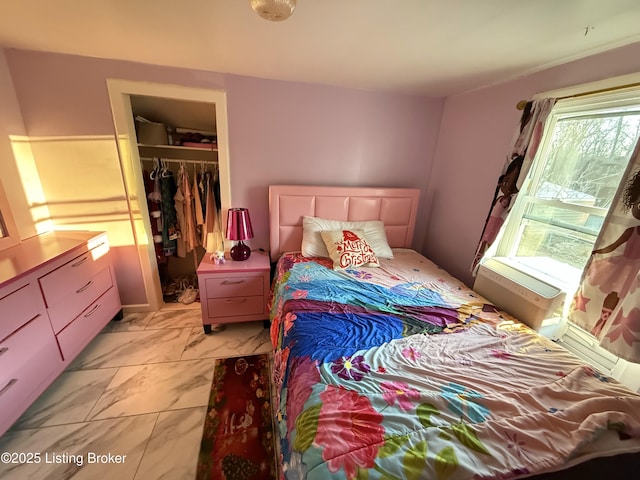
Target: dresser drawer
[
  {"x": 234, "y": 286},
  {"x": 18, "y": 305},
  {"x": 72, "y": 276},
  {"x": 75, "y": 336},
  {"x": 29, "y": 360},
  {"x": 235, "y": 306},
  {"x": 69, "y": 307}
]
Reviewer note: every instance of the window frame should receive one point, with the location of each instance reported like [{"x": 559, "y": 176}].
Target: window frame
[
  {"x": 11, "y": 238},
  {"x": 506, "y": 243}
]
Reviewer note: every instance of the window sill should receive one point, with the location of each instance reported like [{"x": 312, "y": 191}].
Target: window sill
[{"x": 548, "y": 270}]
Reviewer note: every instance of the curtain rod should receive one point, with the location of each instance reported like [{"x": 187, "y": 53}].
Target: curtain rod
[
  {"x": 522, "y": 103},
  {"x": 178, "y": 160}
]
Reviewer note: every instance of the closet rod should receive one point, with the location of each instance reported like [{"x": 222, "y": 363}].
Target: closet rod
[{"x": 177, "y": 160}]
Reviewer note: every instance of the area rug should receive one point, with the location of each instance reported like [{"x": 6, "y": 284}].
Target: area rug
[{"x": 237, "y": 441}]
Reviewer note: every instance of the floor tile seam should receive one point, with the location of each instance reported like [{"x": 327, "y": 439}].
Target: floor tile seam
[
  {"x": 94, "y": 367},
  {"x": 146, "y": 444},
  {"x": 153, "y": 412},
  {"x": 186, "y": 342},
  {"x": 111, "y": 382},
  {"x": 217, "y": 356},
  {"x": 87, "y": 422},
  {"x": 144, "y": 364},
  {"x": 169, "y": 327},
  {"x": 144, "y": 330},
  {"x": 101, "y": 394}
]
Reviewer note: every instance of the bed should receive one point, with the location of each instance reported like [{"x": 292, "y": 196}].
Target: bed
[{"x": 400, "y": 371}]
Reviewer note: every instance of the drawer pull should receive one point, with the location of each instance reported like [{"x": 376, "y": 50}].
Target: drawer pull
[
  {"x": 236, "y": 300},
  {"x": 80, "y": 262},
  {"x": 8, "y": 385},
  {"x": 92, "y": 311},
  {"x": 232, "y": 282},
  {"x": 3, "y": 350},
  {"x": 82, "y": 289}
]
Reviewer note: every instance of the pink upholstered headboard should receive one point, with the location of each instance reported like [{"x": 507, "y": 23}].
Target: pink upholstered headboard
[{"x": 396, "y": 207}]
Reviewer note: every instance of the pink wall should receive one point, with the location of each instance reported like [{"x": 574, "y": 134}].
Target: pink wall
[
  {"x": 11, "y": 123},
  {"x": 67, "y": 94},
  {"x": 279, "y": 132},
  {"x": 475, "y": 137},
  {"x": 285, "y": 132}
]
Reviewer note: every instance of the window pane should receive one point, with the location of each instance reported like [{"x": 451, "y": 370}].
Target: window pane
[
  {"x": 3, "y": 230},
  {"x": 538, "y": 239},
  {"x": 588, "y": 155},
  {"x": 571, "y": 219}
]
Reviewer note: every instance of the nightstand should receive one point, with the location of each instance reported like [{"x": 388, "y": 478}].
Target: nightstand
[{"x": 234, "y": 291}]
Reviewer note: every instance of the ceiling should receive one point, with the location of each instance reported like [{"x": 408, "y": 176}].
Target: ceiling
[{"x": 428, "y": 47}]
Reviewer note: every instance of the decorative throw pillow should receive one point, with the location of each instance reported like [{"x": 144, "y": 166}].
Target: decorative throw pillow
[
  {"x": 313, "y": 246},
  {"x": 349, "y": 249}
]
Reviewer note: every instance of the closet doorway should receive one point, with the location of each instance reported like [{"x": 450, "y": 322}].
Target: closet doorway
[{"x": 173, "y": 130}]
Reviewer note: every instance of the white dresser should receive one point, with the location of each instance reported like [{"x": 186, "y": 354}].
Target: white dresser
[{"x": 57, "y": 291}]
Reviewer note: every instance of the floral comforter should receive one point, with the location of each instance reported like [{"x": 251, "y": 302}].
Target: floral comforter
[{"x": 403, "y": 372}]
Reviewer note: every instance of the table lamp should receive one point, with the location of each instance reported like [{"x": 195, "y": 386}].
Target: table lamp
[{"x": 239, "y": 228}]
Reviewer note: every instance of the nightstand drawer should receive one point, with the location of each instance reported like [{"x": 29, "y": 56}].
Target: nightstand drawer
[
  {"x": 234, "y": 286},
  {"x": 231, "y": 307}
]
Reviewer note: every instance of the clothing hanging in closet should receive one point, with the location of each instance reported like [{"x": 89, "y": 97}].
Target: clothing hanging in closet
[
  {"x": 152, "y": 190},
  {"x": 191, "y": 238},
  {"x": 170, "y": 229},
  {"x": 197, "y": 198},
  {"x": 179, "y": 204},
  {"x": 183, "y": 215},
  {"x": 211, "y": 233}
]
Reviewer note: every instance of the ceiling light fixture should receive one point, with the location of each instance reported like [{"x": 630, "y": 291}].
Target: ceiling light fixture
[{"x": 274, "y": 10}]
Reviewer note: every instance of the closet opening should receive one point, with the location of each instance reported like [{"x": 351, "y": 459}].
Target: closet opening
[
  {"x": 173, "y": 149},
  {"x": 178, "y": 150}
]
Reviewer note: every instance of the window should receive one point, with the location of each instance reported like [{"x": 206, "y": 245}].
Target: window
[
  {"x": 563, "y": 202},
  {"x": 8, "y": 230}
]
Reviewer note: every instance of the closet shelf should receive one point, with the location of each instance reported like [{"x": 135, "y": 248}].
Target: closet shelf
[
  {"x": 178, "y": 152},
  {"x": 205, "y": 148},
  {"x": 182, "y": 160}
]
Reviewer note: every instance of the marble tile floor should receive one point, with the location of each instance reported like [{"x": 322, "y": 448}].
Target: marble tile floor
[{"x": 132, "y": 405}]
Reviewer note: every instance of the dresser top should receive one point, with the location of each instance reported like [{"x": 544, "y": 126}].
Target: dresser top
[{"x": 40, "y": 250}]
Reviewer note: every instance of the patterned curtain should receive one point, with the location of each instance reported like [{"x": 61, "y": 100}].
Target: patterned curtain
[
  {"x": 527, "y": 140},
  {"x": 607, "y": 303}
]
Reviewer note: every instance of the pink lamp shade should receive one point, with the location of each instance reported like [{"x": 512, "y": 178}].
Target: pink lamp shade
[{"x": 239, "y": 228}]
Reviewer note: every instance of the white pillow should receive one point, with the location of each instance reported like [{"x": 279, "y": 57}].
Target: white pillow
[{"x": 313, "y": 246}]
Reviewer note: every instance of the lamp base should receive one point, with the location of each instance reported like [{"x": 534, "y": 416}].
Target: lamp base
[{"x": 240, "y": 252}]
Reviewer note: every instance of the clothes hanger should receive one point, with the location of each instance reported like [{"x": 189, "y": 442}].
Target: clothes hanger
[
  {"x": 154, "y": 171},
  {"x": 165, "y": 170}
]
